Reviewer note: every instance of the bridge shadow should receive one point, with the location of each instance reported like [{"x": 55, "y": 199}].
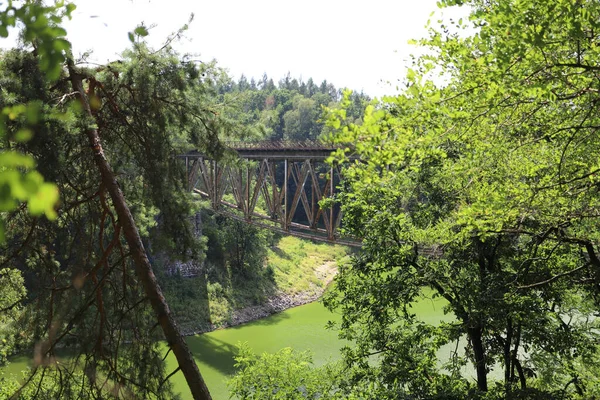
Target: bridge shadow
[
  {"x": 220, "y": 354},
  {"x": 252, "y": 291},
  {"x": 188, "y": 300},
  {"x": 280, "y": 253},
  {"x": 216, "y": 353}
]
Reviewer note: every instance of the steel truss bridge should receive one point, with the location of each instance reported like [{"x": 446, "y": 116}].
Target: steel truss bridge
[{"x": 271, "y": 185}]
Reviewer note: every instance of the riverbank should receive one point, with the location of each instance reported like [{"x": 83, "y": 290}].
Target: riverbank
[
  {"x": 280, "y": 301},
  {"x": 284, "y": 301},
  {"x": 301, "y": 271},
  {"x": 302, "y": 328},
  {"x": 295, "y": 272}
]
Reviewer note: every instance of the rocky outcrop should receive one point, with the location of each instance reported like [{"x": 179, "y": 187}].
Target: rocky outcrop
[
  {"x": 188, "y": 268},
  {"x": 282, "y": 301}
]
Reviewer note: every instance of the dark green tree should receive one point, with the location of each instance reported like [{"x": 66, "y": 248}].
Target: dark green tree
[
  {"x": 300, "y": 123},
  {"x": 90, "y": 285},
  {"x": 19, "y": 181}
]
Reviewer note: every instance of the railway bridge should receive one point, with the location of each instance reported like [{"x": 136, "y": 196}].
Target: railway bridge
[{"x": 276, "y": 185}]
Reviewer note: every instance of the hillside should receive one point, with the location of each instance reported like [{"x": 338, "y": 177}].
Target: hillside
[{"x": 294, "y": 271}]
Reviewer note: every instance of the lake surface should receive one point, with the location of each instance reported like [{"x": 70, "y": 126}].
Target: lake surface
[{"x": 302, "y": 328}]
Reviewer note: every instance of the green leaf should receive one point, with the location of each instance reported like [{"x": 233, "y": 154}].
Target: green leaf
[
  {"x": 23, "y": 135},
  {"x": 13, "y": 159},
  {"x": 70, "y": 8},
  {"x": 61, "y": 45},
  {"x": 141, "y": 31},
  {"x": 43, "y": 201}
]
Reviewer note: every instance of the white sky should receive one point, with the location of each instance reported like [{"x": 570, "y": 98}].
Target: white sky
[{"x": 356, "y": 44}]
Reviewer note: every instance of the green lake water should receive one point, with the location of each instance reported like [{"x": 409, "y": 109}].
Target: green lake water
[{"x": 302, "y": 328}]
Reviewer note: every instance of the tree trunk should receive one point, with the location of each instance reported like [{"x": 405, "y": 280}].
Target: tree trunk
[
  {"x": 480, "y": 364},
  {"x": 143, "y": 268},
  {"x": 515, "y": 360},
  {"x": 508, "y": 367}
]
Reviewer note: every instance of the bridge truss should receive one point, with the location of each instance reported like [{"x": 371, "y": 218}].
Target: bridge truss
[{"x": 269, "y": 184}]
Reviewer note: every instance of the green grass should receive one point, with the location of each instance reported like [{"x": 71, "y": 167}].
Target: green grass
[
  {"x": 292, "y": 266},
  {"x": 295, "y": 260}
]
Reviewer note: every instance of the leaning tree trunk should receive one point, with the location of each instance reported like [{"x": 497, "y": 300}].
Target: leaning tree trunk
[{"x": 142, "y": 265}]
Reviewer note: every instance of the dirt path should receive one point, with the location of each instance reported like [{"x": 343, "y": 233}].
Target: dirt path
[{"x": 326, "y": 272}]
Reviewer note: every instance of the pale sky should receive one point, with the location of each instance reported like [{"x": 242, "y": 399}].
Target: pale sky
[{"x": 357, "y": 44}]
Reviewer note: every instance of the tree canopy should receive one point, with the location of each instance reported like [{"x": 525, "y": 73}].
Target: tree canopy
[
  {"x": 480, "y": 183},
  {"x": 291, "y": 110},
  {"x": 90, "y": 286},
  {"x": 19, "y": 181}
]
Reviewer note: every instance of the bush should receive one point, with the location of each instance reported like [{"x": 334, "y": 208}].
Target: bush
[{"x": 287, "y": 374}]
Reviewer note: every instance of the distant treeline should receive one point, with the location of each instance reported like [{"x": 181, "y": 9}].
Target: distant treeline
[{"x": 290, "y": 109}]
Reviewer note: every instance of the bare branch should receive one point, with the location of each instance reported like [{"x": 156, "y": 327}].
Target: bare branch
[{"x": 554, "y": 278}]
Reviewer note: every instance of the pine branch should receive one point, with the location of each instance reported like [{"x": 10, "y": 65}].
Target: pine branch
[{"x": 142, "y": 264}]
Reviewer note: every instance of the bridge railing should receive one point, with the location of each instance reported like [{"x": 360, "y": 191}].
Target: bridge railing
[{"x": 281, "y": 145}]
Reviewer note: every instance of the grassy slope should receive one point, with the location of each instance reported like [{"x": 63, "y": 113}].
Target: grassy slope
[
  {"x": 292, "y": 267},
  {"x": 295, "y": 261}
]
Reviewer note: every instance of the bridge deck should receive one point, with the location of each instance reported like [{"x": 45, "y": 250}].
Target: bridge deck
[
  {"x": 250, "y": 183},
  {"x": 275, "y": 150}
]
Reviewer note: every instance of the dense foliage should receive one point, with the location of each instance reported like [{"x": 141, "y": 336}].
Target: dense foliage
[
  {"x": 72, "y": 293},
  {"x": 19, "y": 181},
  {"x": 480, "y": 182},
  {"x": 82, "y": 291},
  {"x": 290, "y": 110},
  {"x": 286, "y": 374}
]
